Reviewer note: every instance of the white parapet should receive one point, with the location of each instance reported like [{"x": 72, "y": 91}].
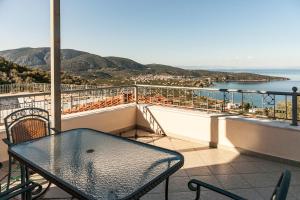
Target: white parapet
[
  {"x": 272, "y": 138},
  {"x": 260, "y": 136}
]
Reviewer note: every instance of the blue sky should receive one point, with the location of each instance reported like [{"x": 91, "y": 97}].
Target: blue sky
[{"x": 235, "y": 33}]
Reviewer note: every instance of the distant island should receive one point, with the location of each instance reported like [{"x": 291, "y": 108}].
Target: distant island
[{"x": 81, "y": 67}]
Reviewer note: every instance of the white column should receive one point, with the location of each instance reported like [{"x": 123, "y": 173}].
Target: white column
[{"x": 55, "y": 63}]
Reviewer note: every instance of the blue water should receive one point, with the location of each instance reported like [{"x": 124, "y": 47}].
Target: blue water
[
  {"x": 258, "y": 100},
  {"x": 293, "y": 74}
]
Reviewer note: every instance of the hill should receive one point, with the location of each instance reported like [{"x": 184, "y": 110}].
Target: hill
[
  {"x": 117, "y": 70},
  {"x": 13, "y": 73},
  {"x": 75, "y": 62}
]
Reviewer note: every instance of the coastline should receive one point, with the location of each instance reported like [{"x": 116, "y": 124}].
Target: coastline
[{"x": 253, "y": 81}]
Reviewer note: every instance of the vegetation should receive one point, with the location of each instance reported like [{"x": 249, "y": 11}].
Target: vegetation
[
  {"x": 116, "y": 70},
  {"x": 14, "y": 73}
]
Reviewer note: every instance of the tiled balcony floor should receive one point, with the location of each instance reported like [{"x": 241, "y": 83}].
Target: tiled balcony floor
[{"x": 248, "y": 176}]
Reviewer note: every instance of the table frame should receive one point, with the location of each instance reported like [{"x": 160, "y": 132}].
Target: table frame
[{"x": 80, "y": 195}]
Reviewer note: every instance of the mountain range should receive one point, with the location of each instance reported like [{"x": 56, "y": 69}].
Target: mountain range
[
  {"x": 91, "y": 66},
  {"x": 11, "y": 73}
]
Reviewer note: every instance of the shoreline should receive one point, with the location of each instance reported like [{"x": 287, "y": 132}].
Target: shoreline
[{"x": 252, "y": 81}]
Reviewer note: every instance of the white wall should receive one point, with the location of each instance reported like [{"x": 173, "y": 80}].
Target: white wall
[
  {"x": 268, "y": 137},
  {"x": 182, "y": 123},
  {"x": 112, "y": 120},
  {"x": 277, "y": 139}
]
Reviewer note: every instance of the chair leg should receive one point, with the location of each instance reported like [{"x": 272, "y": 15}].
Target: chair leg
[
  {"x": 27, "y": 173},
  {"x": 23, "y": 180},
  {"x": 167, "y": 189},
  {"x": 28, "y": 195},
  {"x": 9, "y": 171},
  {"x": 25, "y": 176},
  {"x": 198, "y": 192}
]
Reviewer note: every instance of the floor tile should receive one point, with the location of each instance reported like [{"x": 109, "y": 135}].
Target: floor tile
[
  {"x": 159, "y": 189},
  {"x": 180, "y": 172},
  {"x": 266, "y": 193},
  {"x": 233, "y": 181},
  {"x": 249, "y": 194},
  {"x": 247, "y": 167},
  {"x": 153, "y": 196},
  {"x": 295, "y": 179},
  {"x": 181, "y": 196},
  {"x": 247, "y": 176},
  {"x": 198, "y": 171},
  {"x": 178, "y": 184},
  {"x": 270, "y": 166},
  {"x": 295, "y": 190},
  {"x": 212, "y": 180},
  {"x": 210, "y": 195},
  {"x": 222, "y": 169},
  {"x": 55, "y": 193},
  {"x": 261, "y": 179}
]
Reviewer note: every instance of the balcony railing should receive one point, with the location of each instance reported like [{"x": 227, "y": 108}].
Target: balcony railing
[
  {"x": 265, "y": 104},
  {"x": 73, "y": 101},
  {"x": 261, "y": 104},
  {"x": 40, "y": 87}
]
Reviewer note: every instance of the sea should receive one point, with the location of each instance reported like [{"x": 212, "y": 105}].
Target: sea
[
  {"x": 282, "y": 86},
  {"x": 258, "y": 100}
]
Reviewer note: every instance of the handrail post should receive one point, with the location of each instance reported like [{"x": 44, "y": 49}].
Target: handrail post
[
  {"x": 136, "y": 93},
  {"x": 224, "y": 99},
  {"x": 294, "y": 107}
]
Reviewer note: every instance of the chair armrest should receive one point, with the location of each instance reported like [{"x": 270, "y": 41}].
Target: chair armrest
[
  {"x": 20, "y": 189},
  {"x": 6, "y": 141},
  {"x": 195, "y": 185}
]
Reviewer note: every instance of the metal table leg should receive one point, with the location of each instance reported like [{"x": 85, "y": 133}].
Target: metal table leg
[
  {"x": 167, "y": 189},
  {"x": 28, "y": 194},
  {"x": 9, "y": 171},
  {"x": 26, "y": 174},
  {"x": 23, "y": 179}
]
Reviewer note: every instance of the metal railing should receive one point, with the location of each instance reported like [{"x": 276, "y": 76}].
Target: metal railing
[
  {"x": 153, "y": 122},
  {"x": 40, "y": 87},
  {"x": 262, "y": 104},
  {"x": 73, "y": 101}
]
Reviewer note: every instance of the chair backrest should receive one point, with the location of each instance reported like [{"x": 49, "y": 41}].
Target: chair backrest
[
  {"x": 27, "y": 124},
  {"x": 282, "y": 187}
]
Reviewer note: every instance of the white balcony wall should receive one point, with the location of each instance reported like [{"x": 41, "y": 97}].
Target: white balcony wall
[
  {"x": 273, "y": 138},
  {"x": 261, "y": 137},
  {"x": 113, "y": 120},
  {"x": 181, "y": 123}
]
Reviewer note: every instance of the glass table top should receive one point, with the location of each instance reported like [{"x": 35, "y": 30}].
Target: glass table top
[{"x": 97, "y": 165}]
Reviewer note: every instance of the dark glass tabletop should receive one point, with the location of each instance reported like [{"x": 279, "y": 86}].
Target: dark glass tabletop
[{"x": 93, "y": 165}]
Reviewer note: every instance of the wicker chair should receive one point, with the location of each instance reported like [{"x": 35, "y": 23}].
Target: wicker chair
[
  {"x": 25, "y": 188},
  {"x": 280, "y": 191},
  {"x": 24, "y": 125}
]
